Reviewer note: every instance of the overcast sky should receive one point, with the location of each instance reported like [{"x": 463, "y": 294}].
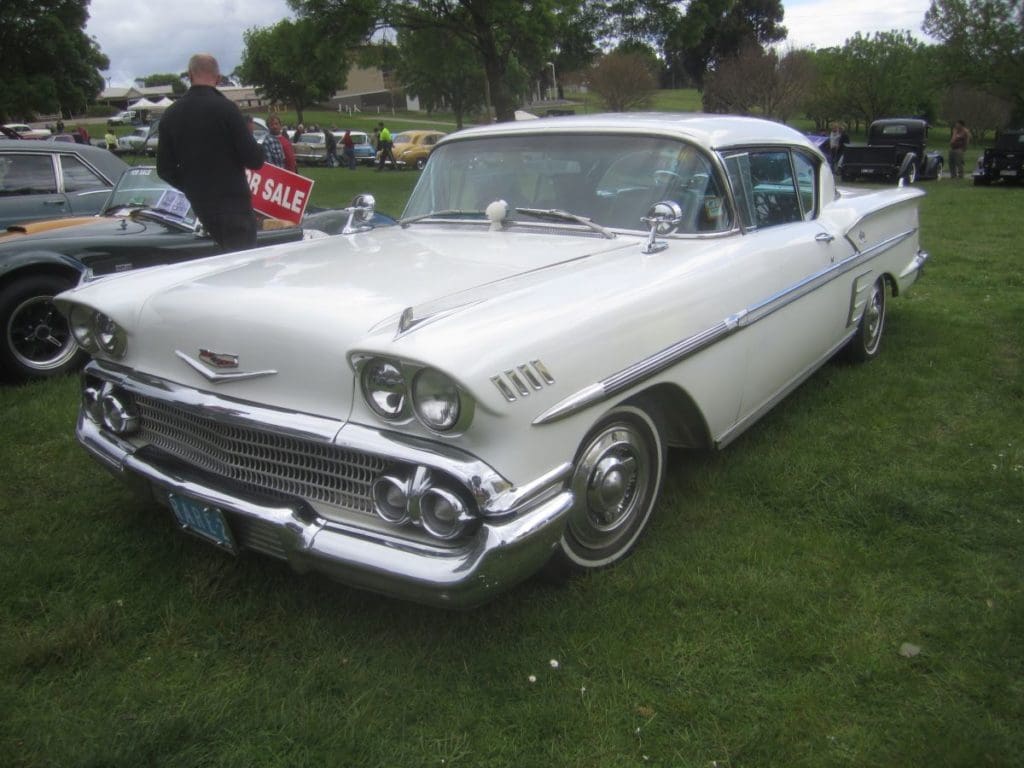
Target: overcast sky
[{"x": 145, "y": 38}]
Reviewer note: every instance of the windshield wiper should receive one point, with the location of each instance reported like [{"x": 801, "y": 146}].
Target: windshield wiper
[
  {"x": 438, "y": 214},
  {"x": 556, "y": 214}
]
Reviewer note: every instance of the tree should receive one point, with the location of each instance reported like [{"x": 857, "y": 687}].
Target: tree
[
  {"x": 980, "y": 110},
  {"x": 50, "y": 64},
  {"x": 755, "y": 79},
  {"x": 983, "y": 45},
  {"x": 885, "y": 75},
  {"x": 510, "y": 39},
  {"x": 714, "y": 30},
  {"x": 624, "y": 81},
  {"x": 294, "y": 63},
  {"x": 440, "y": 70},
  {"x": 153, "y": 81}
]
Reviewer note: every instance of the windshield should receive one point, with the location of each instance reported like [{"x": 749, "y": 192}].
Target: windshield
[
  {"x": 611, "y": 179},
  {"x": 141, "y": 188}
]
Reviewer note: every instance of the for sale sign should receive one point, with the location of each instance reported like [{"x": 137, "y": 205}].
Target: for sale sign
[{"x": 278, "y": 193}]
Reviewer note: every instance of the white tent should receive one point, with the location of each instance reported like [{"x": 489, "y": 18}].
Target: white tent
[
  {"x": 164, "y": 103},
  {"x": 142, "y": 103},
  {"x": 522, "y": 114}
]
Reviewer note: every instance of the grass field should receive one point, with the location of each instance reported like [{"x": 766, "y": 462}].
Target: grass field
[{"x": 843, "y": 586}]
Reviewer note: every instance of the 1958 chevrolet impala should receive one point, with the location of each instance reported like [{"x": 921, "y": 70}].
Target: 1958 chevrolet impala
[{"x": 437, "y": 410}]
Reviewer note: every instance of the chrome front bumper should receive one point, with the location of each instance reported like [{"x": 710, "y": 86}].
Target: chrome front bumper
[{"x": 502, "y": 552}]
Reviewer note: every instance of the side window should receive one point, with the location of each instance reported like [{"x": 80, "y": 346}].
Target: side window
[
  {"x": 806, "y": 175},
  {"x": 773, "y": 189},
  {"x": 27, "y": 175},
  {"x": 79, "y": 177}
]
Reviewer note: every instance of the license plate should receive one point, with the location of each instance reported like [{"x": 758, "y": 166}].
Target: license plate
[
  {"x": 1007, "y": 173},
  {"x": 202, "y": 520}
]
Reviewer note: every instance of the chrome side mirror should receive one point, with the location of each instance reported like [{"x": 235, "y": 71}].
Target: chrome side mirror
[
  {"x": 360, "y": 213},
  {"x": 662, "y": 218}
]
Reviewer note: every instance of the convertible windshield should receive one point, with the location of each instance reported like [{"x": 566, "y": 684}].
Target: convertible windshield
[
  {"x": 612, "y": 180},
  {"x": 142, "y": 188}
]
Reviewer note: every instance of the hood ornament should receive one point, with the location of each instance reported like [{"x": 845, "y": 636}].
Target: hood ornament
[{"x": 219, "y": 361}]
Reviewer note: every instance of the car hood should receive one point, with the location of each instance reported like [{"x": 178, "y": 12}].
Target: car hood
[
  {"x": 299, "y": 309},
  {"x": 77, "y": 234}
]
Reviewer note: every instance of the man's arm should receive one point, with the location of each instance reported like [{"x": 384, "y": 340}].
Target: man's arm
[
  {"x": 250, "y": 153},
  {"x": 167, "y": 167}
]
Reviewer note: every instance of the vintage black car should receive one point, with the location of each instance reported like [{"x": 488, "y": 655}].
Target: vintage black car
[
  {"x": 144, "y": 222},
  {"x": 1004, "y": 161},
  {"x": 896, "y": 149}
]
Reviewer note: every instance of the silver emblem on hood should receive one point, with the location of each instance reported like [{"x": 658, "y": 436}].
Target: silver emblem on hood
[{"x": 208, "y": 359}]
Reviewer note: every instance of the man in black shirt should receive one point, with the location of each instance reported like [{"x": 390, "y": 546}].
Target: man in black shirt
[{"x": 204, "y": 149}]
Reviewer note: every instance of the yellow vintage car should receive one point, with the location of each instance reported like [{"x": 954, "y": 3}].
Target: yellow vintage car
[{"x": 412, "y": 148}]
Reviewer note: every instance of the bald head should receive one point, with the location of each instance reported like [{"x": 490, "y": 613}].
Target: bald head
[{"x": 203, "y": 70}]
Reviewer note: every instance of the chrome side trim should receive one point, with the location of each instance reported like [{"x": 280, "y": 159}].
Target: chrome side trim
[
  {"x": 675, "y": 353},
  {"x": 216, "y": 377},
  {"x": 518, "y": 381}
]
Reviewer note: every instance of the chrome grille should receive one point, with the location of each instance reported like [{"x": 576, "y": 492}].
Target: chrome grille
[{"x": 268, "y": 462}]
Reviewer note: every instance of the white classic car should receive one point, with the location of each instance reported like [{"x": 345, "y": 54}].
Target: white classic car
[{"x": 437, "y": 410}]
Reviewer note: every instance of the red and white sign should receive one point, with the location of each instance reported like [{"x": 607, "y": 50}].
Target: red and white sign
[{"x": 278, "y": 193}]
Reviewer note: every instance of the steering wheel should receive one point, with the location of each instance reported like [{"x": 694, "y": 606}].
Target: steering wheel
[{"x": 667, "y": 177}]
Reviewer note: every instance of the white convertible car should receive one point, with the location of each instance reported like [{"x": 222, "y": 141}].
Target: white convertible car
[{"x": 436, "y": 410}]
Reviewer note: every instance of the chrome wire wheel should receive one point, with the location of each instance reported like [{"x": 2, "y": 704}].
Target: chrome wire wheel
[{"x": 616, "y": 483}]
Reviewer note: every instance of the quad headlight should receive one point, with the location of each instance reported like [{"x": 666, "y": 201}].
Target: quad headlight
[
  {"x": 397, "y": 391},
  {"x": 95, "y": 332}
]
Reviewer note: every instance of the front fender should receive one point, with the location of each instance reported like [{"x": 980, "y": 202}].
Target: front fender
[
  {"x": 908, "y": 159},
  {"x": 36, "y": 260}
]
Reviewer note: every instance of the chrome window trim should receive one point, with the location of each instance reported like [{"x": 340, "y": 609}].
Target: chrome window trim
[{"x": 680, "y": 350}]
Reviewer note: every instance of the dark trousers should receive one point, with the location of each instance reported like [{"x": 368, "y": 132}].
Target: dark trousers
[
  {"x": 233, "y": 231},
  {"x": 386, "y": 154}
]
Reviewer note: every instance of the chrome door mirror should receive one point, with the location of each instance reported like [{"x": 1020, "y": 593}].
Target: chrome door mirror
[{"x": 663, "y": 218}]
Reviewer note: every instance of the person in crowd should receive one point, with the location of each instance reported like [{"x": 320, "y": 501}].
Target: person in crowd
[
  {"x": 837, "y": 141},
  {"x": 111, "y": 140},
  {"x": 958, "y": 141},
  {"x": 81, "y": 135},
  {"x": 60, "y": 125},
  {"x": 348, "y": 150},
  {"x": 384, "y": 147},
  {"x": 277, "y": 150},
  {"x": 332, "y": 148},
  {"x": 299, "y": 130},
  {"x": 204, "y": 150}
]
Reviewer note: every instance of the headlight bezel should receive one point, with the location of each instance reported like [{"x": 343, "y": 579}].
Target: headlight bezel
[
  {"x": 410, "y": 408},
  {"x": 96, "y": 332}
]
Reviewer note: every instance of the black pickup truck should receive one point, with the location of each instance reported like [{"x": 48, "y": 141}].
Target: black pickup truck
[
  {"x": 896, "y": 149},
  {"x": 1004, "y": 161}
]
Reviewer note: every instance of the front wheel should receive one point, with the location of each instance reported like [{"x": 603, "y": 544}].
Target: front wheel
[
  {"x": 37, "y": 341},
  {"x": 616, "y": 483},
  {"x": 910, "y": 175},
  {"x": 867, "y": 341}
]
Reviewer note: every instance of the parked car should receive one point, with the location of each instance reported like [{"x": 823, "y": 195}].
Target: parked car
[
  {"x": 47, "y": 179},
  {"x": 1004, "y": 161},
  {"x": 896, "y": 149},
  {"x": 412, "y": 148},
  {"x": 127, "y": 117},
  {"x": 364, "y": 150},
  {"x": 437, "y": 410},
  {"x": 143, "y": 222},
  {"x": 311, "y": 149},
  {"x": 133, "y": 143},
  {"x": 27, "y": 131}
]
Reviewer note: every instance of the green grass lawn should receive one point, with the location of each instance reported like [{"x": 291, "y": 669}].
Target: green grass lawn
[{"x": 759, "y": 623}]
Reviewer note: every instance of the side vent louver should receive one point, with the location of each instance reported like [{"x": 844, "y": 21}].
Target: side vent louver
[{"x": 520, "y": 381}]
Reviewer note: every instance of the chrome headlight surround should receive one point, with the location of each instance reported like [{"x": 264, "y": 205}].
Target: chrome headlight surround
[
  {"x": 96, "y": 332},
  {"x": 397, "y": 391},
  {"x": 385, "y": 388}
]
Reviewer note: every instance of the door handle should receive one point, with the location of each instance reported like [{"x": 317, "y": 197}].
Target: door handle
[{"x": 824, "y": 237}]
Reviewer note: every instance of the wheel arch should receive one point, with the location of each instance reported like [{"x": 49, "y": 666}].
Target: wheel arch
[
  {"x": 40, "y": 263},
  {"x": 676, "y": 412}
]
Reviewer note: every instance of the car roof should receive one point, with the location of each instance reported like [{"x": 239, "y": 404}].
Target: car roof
[
  {"x": 108, "y": 164},
  {"x": 709, "y": 131}
]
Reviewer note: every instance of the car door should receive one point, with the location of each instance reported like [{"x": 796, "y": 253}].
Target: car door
[
  {"x": 799, "y": 312},
  {"x": 29, "y": 189}
]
